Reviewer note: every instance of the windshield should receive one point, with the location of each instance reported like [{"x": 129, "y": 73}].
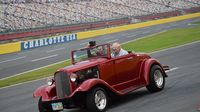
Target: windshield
[{"x": 89, "y": 53}]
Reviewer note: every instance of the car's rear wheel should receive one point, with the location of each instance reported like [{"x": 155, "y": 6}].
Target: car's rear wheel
[
  {"x": 156, "y": 79},
  {"x": 97, "y": 100}
]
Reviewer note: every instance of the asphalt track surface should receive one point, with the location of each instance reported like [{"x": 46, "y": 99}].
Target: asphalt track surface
[
  {"x": 14, "y": 63},
  {"x": 181, "y": 93}
]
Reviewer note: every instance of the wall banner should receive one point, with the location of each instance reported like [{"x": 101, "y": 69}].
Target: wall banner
[{"x": 25, "y": 45}]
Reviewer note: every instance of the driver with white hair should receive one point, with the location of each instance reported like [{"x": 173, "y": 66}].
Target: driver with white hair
[{"x": 117, "y": 50}]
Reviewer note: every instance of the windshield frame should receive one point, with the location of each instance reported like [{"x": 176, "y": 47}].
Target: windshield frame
[{"x": 88, "y": 48}]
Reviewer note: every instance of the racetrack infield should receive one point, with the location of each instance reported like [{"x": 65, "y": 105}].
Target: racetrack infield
[
  {"x": 151, "y": 43},
  {"x": 181, "y": 93}
]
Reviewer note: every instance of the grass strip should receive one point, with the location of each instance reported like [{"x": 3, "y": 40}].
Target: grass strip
[
  {"x": 149, "y": 44},
  {"x": 170, "y": 38},
  {"x": 197, "y": 22}
]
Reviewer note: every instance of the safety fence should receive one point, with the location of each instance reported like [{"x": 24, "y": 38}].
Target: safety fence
[{"x": 63, "y": 28}]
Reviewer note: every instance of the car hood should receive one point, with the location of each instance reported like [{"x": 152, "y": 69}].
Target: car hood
[{"x": 83, "y": 65}]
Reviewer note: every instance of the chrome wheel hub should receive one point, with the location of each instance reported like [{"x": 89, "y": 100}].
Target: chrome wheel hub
[
  {"x": 100, "y": 100},
  {"x": 158, "y": 78}
]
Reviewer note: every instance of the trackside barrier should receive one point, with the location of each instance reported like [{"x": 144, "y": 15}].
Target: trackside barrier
[
  {"x": 159, "y": 15},
  {"x": 9, "y": 48},
  {"x": 63, "y": 28},
  {"x": 93, "y": 33},
  {"x": 25, "y": 45},
  {"x": 192, "y": 10}
]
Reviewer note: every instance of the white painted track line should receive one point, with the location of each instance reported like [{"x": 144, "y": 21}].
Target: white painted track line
[
  {"x": 130, "y": 36},
  {"x": 112, "y": 41},
  {"x": 143, "y": 37},
  {"x": 13, "y": 59},
  {"x": 109, "y": 38},
  {"x": 23, "y": 83},
  {"x": 55, "y": 50},
  {"x": 172, "y": 69},
  {"x": 44, "y": 58},
  {"x": 85, "y": 43},
  {"x": 146, "y": 32},
  {"x": 175, "y": 47},
  {"x": 33, "y": 70}
]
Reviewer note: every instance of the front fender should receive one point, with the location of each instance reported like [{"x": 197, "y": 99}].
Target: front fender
[
  {"x": 46, "y": 92},
  {"x": 146, "y": 67},
  {"x": 89, "y": 84}
]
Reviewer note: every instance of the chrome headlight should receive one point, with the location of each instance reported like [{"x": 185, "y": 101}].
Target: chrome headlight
[
  {"x": 73, "y": 77},
  {"x": 50, "y": 81}
]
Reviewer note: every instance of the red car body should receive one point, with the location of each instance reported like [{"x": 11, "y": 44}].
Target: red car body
[{"x": 118, "y": 76}]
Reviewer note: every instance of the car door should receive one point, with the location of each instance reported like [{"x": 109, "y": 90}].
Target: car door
[
  {"x": 107, "y": 72},
  {"x": 125, "y": 68}
]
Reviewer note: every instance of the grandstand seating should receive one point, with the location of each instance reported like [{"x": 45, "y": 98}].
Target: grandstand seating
[{"x": 29, "y": 14}]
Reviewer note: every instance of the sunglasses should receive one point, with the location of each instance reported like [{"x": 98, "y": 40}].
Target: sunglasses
[{"x": 114, "y": 49}]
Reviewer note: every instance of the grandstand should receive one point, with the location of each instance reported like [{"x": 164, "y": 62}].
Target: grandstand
[{"x": 29, "y": 14}]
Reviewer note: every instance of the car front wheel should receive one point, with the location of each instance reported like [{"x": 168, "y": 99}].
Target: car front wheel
[
  {"x": 40, "y": 106},
  {"x": 97, "y": 100},
  {"x": 156, "y": 79}
]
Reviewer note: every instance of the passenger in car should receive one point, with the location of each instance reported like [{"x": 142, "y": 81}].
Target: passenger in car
[
  {"x": 90, "y": 44},
  {"x": 117, "y": 50}
]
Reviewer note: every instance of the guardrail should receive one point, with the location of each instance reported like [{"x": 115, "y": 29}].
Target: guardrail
[
  {"x": 61, "y": 29},
  {"x": 192, "y": 10},
  {"x": 159, "y": 15}
]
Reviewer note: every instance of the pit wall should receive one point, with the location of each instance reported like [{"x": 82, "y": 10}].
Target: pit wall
[
  {"x": 26, "y": 45},
  {"x": 30, "y": 44},
  {"x": 10, "y": 47}
]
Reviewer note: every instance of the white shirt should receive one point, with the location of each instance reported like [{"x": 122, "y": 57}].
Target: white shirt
[{"x": 121, "y": 53}]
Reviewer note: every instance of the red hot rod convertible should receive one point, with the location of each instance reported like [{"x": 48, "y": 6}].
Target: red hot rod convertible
[{"x": 94, "y": 76}]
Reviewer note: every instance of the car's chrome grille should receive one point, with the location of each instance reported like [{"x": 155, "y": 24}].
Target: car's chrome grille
[{"x": 62, "y": 84}]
